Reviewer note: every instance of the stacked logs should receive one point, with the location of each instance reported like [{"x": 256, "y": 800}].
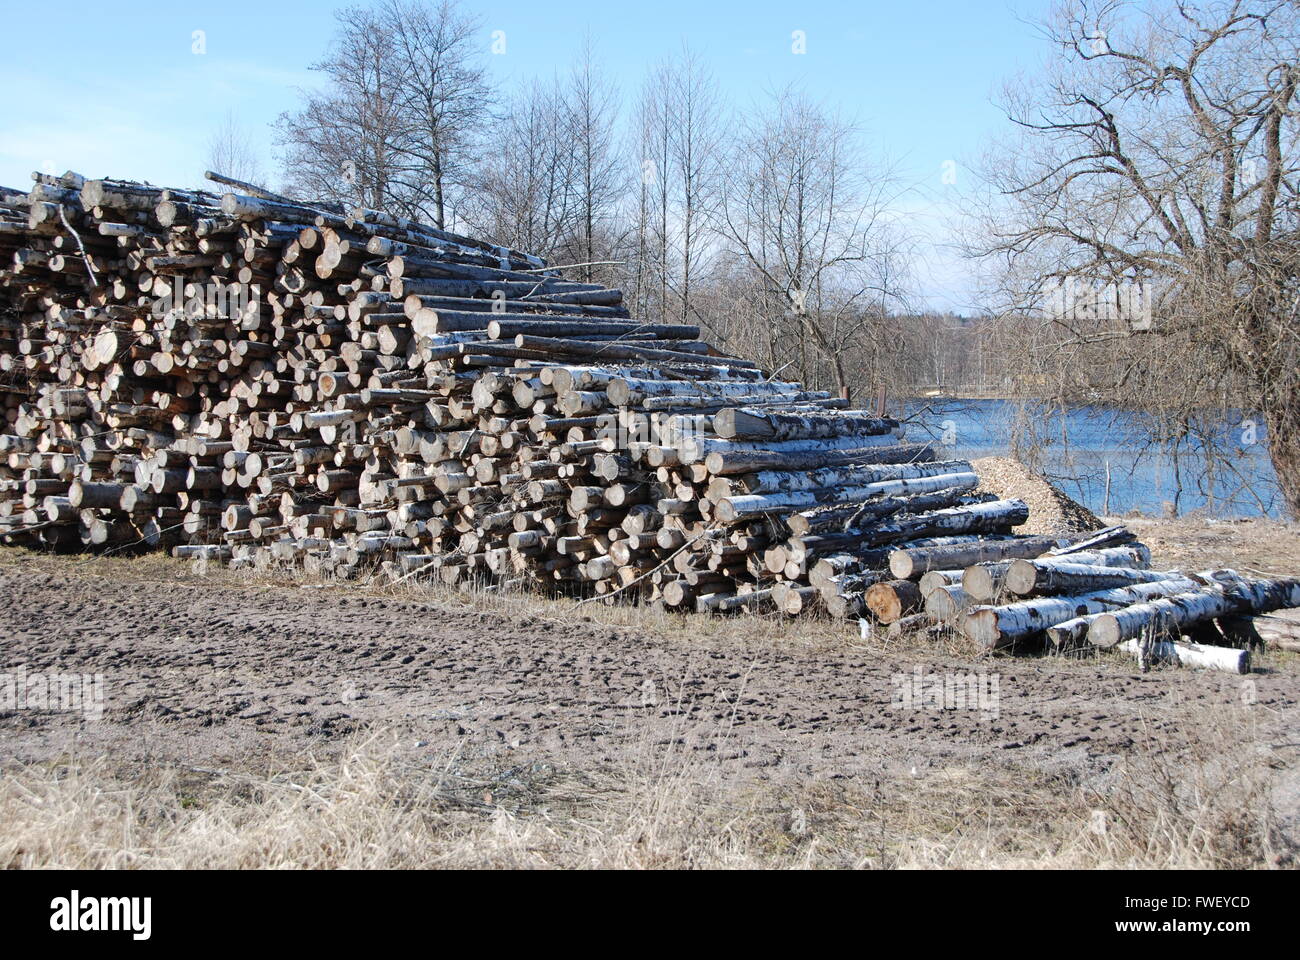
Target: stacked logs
[
  {"x": 252, "y": 378},
  {"x": 1069, "y": 594},
  {"x": 248, "y": 377}
]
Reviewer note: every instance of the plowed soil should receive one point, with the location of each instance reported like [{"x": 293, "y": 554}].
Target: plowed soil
[{"x": 208, "y": 670}]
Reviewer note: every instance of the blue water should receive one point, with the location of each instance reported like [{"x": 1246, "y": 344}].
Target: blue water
[{"x": 1225, "y": 471}]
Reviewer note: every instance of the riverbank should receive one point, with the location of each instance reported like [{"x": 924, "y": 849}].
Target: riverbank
[{"x": 1109, "y": 459}]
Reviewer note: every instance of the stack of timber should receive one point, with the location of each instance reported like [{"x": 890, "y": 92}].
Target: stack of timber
[
  {"x": 1069, "y": 594},
  {"x": 252, "y": 378}
]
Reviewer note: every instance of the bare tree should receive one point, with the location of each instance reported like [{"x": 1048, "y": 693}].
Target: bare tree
[
  {"x": 677, "y": 150},
  {"x": 778, "y": 238},
  {"x": 442, "y": 95},
  {"x": 404, "y": 103},
  {"x": 525, "y": 189},
  {"x": 231, "y": 151},
  {"x": 806, "y": 217},
  {"x": 654, "y": 153},
  {"x": 1160, "y": 149},
  {"x": 695, "y": 146},
  {"x": 346, "y": 142},
  {"x": 550, "y": 179},
  {"x": 592, "y": 108}
]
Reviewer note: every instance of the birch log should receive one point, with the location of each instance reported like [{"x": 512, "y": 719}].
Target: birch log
[
  {"x": 733, "y": 509},
  {"x": 730, "y": 461},
  {"x": 985, "y": 581},
  {"x": 909, "y": 564},
  {"x": 893, "y": 600},
  {"x": 1040, "y": 577},
  {"x": 1190, "y": 655},
  {"x": 755, "y": 424},
  {"x": 849, "y": 477},
  {"x": 1180, "y": 612},
  {"x": 946, "y": 603},
  {"x": 991, "y": 627}
]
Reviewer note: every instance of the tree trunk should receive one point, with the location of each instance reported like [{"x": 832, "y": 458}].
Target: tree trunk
[
  {"x": 985, "y": 581},
  {"x": 730, "y": 462},
  {"x": 947, "y": 603},
  {"x": 740, "y": 424},
  {"x": 774, "y": 481},
  {"x": 733, "y": 509},
  {"x": 1026, "y": 578},
  {"x": 837, "y": 517},
  {"x": 439, "y": 209},
  {"x": 894, "y": 600},
  {"x": 910, "y": 563},
  {"x": 1283, "y": 426}
]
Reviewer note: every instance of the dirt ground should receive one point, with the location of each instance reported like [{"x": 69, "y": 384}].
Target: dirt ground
[
  {"x": 208, "y": 669},
  {"x": 1259, "y": 547},
  {"x": 198, "y": 667}
]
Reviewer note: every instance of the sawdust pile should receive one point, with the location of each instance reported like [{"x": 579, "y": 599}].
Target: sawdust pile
[{"x": 1050, "y": 511}]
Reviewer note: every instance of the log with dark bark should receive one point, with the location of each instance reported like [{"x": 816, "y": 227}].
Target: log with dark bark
[
  {"x": 1027, "y": 578},
  {"x": 755, "y": 424},
  {"x": 911, "y": 564}
]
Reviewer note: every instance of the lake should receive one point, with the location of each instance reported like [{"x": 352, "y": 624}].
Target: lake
[{"x": 1227, "y": 474}]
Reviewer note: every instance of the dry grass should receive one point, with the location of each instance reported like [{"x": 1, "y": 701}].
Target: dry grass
[
  {"x": 1215, "y": 812},
  {"x": 378, "y": 804},
  {"x": 1253, "y": 546}
]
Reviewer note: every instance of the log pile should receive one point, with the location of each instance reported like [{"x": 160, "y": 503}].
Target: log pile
[
  {"x": 246, "y": 377},
  {"x": 250, "y": 378},
  {"x": 1096, "y": 592}
]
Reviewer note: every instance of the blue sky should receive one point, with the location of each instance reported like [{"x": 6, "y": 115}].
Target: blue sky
[{"x": 128, "y": 95}]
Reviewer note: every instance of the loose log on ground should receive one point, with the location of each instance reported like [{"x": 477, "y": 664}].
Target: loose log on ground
[
  {"x": 1189, "y": 655},
  {"x": 1176, "y": 614},
  {"x": 992, "y": 627}
]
